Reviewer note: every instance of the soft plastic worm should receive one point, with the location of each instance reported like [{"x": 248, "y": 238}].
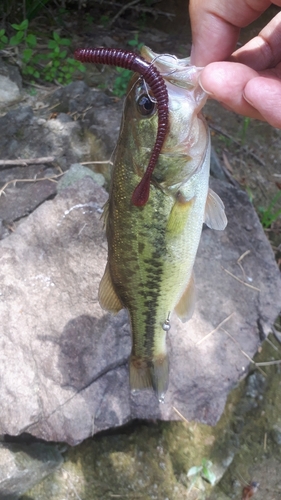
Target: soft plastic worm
[{"x": 130, "y": 60}]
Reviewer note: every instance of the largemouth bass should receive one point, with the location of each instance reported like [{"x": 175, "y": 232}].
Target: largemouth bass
[{"x": 152, "y": 248}]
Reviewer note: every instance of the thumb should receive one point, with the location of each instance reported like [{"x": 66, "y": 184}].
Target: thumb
[{"x": 264, "y": 94}]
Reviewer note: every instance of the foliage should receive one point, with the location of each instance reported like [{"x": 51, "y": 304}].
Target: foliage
[
  {"x": 104, "y": 20},
  {"x": 246, "y": 123},
  {"x": 20, "y": 33},
  {"x": 249, "y": 193},
  {"x": 3, "y": 39},
  {"x": 60, "y": 67},
  {"x": 123, "y": 75},
  {"x": 33, "y": 8},
  {"x": 227, "y": 141},
  {"x": 270, "y": 214},
  {"x": 16, "y": 10},
  {"x": 202, "y": 471},
  {"x": 55, "y": 65},
  {"x": 121, "y": 81},
  {"x": 134, "y": 42}
]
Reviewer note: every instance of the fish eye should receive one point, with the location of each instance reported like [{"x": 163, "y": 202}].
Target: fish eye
[{"x": 145, "y": 105}]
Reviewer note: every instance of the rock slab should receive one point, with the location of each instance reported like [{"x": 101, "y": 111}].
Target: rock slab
[
  {"x": 64, "y": 361},
  {"x": 22, "y": 466}
]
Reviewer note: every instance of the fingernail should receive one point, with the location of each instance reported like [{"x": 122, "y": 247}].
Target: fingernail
[
  {"x": 206, "y": 91},
  {"x": 248, "y": 100}
]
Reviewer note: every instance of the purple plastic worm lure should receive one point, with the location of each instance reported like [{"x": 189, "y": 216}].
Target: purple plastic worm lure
[{"x": 130, "y": 60}]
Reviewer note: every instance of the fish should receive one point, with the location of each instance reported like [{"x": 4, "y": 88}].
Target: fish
[{"x": 152, "y": 248}]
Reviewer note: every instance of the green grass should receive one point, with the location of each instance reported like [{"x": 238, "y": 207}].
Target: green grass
[{"x": 270, "y": 214}]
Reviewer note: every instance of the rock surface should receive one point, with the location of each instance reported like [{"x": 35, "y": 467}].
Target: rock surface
[
  {"x": 10, "y": 84},
  {"x": 73, "y": 124},
  {"x": 63, "y": 361},
  {"x": 22, "y": 466}
]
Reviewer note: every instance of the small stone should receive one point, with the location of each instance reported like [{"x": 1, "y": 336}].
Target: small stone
[
  {"x": 276, "y": 433},
  {"x": 77, "y": 172}
]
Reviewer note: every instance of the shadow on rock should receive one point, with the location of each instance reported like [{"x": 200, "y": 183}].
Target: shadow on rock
[{"x": 91, "y": 347}]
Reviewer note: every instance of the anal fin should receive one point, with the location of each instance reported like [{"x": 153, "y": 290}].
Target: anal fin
[
  {"x": 185, "y": 307},
  {"x": 107, "y": 296}
]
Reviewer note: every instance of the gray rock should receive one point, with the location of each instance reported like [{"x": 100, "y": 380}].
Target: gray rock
[
  {"x": 10, "y": 84},
  {"x": 20, "y": 200},
  {"x": 23, "y": 135},
  {"x": 27, "y": 132},
  {"x": 276, "y": 433},
  {"x": 63, "y": 361},
  {"x": 77, "y": 172},
  {"x": 23, "y": 466},
  {"x": 9, "y": 91},
  {"x": 99, "y": 113}
]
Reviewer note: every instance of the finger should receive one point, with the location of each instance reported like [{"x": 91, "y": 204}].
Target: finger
[
  {"x": 264, "y": 94},
  {"x": 263, "y": 51},
  {"x": 216, "y": 25},
  {"x": 225, "y": 82}
]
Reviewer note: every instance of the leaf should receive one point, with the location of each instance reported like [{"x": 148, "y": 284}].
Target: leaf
[
  {"x": 16, "y": 26},
  {"x": 56, "y": 36},
  {"x": 209, "y": 476},
  {"x": 52, "y": 44},
  {"x": 24, "y": 25},
  {"x": 63, "y": 54},
  {"x": 194, "y": 470},
  {"x": 31, "y": 40},
  {"x": 3, "y": 40},
  {"x": 133, "y": 43},
  {"x": 26, "y": 55},
  {"x": 2, "y": 33},
  {"x": 65, "y": 41},
  {"x": 16, "y": 39}
]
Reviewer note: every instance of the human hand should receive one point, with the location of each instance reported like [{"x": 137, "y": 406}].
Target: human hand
[{"x": 249, "y": 82}]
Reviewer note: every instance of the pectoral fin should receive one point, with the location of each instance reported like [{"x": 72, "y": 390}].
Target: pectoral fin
[
  {"x": 185, "y": 307},
  {"x": 107, "y": 296},
  {"x": 179, "y": 214},
  {"x": 215, "y": 217}
]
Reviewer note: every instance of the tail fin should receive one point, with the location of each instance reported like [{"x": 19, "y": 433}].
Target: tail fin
[
  {"x": 160, "y": 376},
  {"x": 150, "y": 373}
]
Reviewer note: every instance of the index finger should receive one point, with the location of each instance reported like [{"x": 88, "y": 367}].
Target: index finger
[{"x": 216, "y": 25}]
